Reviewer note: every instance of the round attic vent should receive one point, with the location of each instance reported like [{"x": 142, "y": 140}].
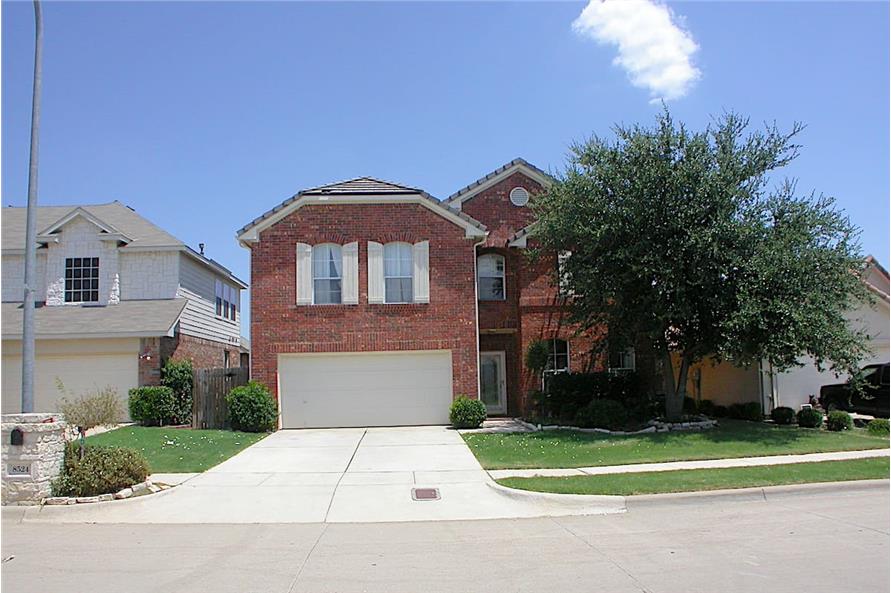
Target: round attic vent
[{"x": 519, "y": 196}]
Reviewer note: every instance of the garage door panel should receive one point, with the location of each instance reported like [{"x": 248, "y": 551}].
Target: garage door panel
[{"x": 361, "y": 389}]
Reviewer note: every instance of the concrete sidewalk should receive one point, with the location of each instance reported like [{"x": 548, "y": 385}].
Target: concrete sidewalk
[{"x": 498, "y": 474}]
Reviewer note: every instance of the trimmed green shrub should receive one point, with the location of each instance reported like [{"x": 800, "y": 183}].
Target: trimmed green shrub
[
  {"x": 467, "y": 413},
  {"x": 252, "y": 408},
  {"x": 103, "y": 470},
  {"x": 706, "y": 407},
  {"x": 602, "y": 413},
  {"x": 570, "y": 392},
  {"x": 747, "y": 411},
  {"x": 878, "y": 427},
  {"x": 177, "y": 375},
  {"x": 153, "y": 406},
  {"x": 690, "y": 406},
  {"x": 810, "y": 418},
  {"x": 782, "y": 415},
  {"x": 720, "y": 411},
  {"x": 838, "y": 420}
]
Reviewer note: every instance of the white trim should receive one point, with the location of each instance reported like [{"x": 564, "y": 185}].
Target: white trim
[
  {"x": 74, "y": 213},
  {"x": 543, "y": 180},
  {"x": 252, "y": 233},
  {"x": 501, "y": 408}
]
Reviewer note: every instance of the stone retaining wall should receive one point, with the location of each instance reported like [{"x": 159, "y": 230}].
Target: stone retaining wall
[{"x": 29, "y": 469}]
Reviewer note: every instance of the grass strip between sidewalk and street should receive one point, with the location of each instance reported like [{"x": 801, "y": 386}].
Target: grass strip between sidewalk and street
[
  {"x": 178, "y": 450},
  {"x": 731, "y": 438},
  {"x": 690, "y": 480}
]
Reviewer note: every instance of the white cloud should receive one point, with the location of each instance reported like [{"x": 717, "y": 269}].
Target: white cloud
[{"x": 653, "y": 49}]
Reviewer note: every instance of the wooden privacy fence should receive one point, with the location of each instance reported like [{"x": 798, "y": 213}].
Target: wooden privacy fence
[{"x": 209, "y": 390}]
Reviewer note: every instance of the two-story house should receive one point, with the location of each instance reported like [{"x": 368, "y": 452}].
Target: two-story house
[
  {"x": 377, "y": 304},
  {"x": 116, "y": 297}
]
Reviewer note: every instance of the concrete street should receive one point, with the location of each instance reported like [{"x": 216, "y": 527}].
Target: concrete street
[{"x": 813, "y": 539}]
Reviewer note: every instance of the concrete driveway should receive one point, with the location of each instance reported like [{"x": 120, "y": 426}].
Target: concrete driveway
[{"x": 336, "y": 476}]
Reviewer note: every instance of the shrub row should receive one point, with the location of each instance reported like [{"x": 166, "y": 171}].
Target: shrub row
[
  {"x": 568, "y": 396},
  {"x": 102, "y": 470}
]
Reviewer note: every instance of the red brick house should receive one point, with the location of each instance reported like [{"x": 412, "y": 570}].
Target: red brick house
[{"x": 377, "y": 304}]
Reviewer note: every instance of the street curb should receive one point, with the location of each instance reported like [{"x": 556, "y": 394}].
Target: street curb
[
  {"x": 588, "y": 504},
  {"x": 760, "y": 493}
]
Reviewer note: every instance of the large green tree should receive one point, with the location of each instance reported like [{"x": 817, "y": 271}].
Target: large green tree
[{"x": 689, "y": 241}]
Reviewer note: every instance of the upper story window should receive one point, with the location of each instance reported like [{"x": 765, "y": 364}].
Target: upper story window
[
  {"x": 327, "y": 274},
  {"x": 226, "y": 300},
  {"x": 490, "y": 277},
  {"x": 81, "y": 279},
  {"x": 519, "y": 196},
  {"x": 398, "y": 273}
]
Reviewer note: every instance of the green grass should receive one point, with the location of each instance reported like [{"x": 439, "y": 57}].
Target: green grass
[
  {"x": 708, "y": 479},
  {"x": 171, "y": 450},
  {"x": 732, "y": 438}
]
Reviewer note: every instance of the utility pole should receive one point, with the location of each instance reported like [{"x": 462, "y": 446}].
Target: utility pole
[{"x": 31, "y": 225}]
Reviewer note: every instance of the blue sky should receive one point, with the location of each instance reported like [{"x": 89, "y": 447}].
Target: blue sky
[{"x": 203, "y": 115}]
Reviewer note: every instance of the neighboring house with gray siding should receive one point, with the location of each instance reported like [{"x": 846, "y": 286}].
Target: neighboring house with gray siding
[{"x": 117, "y": 296}]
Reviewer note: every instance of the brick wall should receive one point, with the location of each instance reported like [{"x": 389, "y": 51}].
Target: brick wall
[
  {"x": 278, "y": 325},
  {"x": 533, "y": 308},
  {"x": 204, "y": 354},
  {"x": 493, "y": 208}
]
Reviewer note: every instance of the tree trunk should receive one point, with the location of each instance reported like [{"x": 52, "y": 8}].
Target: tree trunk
[{"x": 674, "y": 400}]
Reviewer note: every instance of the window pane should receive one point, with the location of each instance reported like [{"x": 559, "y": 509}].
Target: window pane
[
  {"x": 326, "y": 292},
  {"x": 326, "y": 261},
  {"x": 491, "y": 265},
  {"x": 398, "y": 290},
  {"x": 491, "y": 289}
]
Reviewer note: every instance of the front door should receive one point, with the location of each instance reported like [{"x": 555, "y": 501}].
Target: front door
[{"x": 492, "y": 384}]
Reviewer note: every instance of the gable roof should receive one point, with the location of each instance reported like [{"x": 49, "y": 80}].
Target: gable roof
[
  {"x": 114, "y": 215},
  {"x": 115, "y": 219},
  {"x": 502, "y": 172},
  {"x": 361, "y": 190}
]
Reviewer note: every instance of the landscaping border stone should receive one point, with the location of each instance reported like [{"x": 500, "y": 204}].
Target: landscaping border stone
[
  {"x": 144, "y": 488},
  {"x": 653, "y": 426}
]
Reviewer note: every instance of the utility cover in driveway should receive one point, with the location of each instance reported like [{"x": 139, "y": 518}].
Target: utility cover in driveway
[
  {"x": 425, "y": 493},
  {"x": 400, "y": 388}
]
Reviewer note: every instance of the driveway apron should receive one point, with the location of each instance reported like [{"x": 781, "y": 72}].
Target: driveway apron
[{"x": 338, "y": 475}]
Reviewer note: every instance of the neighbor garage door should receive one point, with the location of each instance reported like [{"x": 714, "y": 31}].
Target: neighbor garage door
[
  {"x": 365, "y": 389},
  {"x": 82, "y": 366}
]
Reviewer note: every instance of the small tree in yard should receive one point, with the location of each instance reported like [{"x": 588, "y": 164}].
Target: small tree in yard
[
  {"x": 87, "y": 411},
  {"x": 676, "y": 239}
]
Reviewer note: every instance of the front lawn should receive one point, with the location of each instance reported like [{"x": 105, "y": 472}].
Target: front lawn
[
  {"x": 174, "y": 450},
  {"x": 708, "y": 479},
  {"x": 732, "y": 438}
]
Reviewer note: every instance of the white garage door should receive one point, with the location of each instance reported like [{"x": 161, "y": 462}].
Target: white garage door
[
  {"x": 365, "y": 389},
  {"x": 83, "y": 367}
]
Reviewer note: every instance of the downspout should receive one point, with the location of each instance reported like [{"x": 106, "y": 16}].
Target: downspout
[{"x": 476, "y": 312}]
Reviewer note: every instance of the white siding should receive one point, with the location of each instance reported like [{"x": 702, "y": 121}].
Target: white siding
[
  {"x": 149, "y": 274},
  {"x": 80, "y": 238},
  {"x": 13, "y": 282},
  {"x": 197, "y": 283}
]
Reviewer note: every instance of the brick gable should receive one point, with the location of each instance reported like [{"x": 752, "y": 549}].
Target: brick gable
[
  {"x": 493, "y": 208},
  {"x": 279, "y": 325}
]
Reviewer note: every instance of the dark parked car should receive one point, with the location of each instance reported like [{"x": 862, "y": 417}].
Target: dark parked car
[{"x": 870, "y": 398}]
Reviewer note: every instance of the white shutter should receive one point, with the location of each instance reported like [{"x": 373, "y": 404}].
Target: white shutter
[
  {"x": 304, "y": 274},
  {"x": 421, "y": 276},
  {"x": 350, "y": 253},
  {"x": 375, "y": 273}
]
